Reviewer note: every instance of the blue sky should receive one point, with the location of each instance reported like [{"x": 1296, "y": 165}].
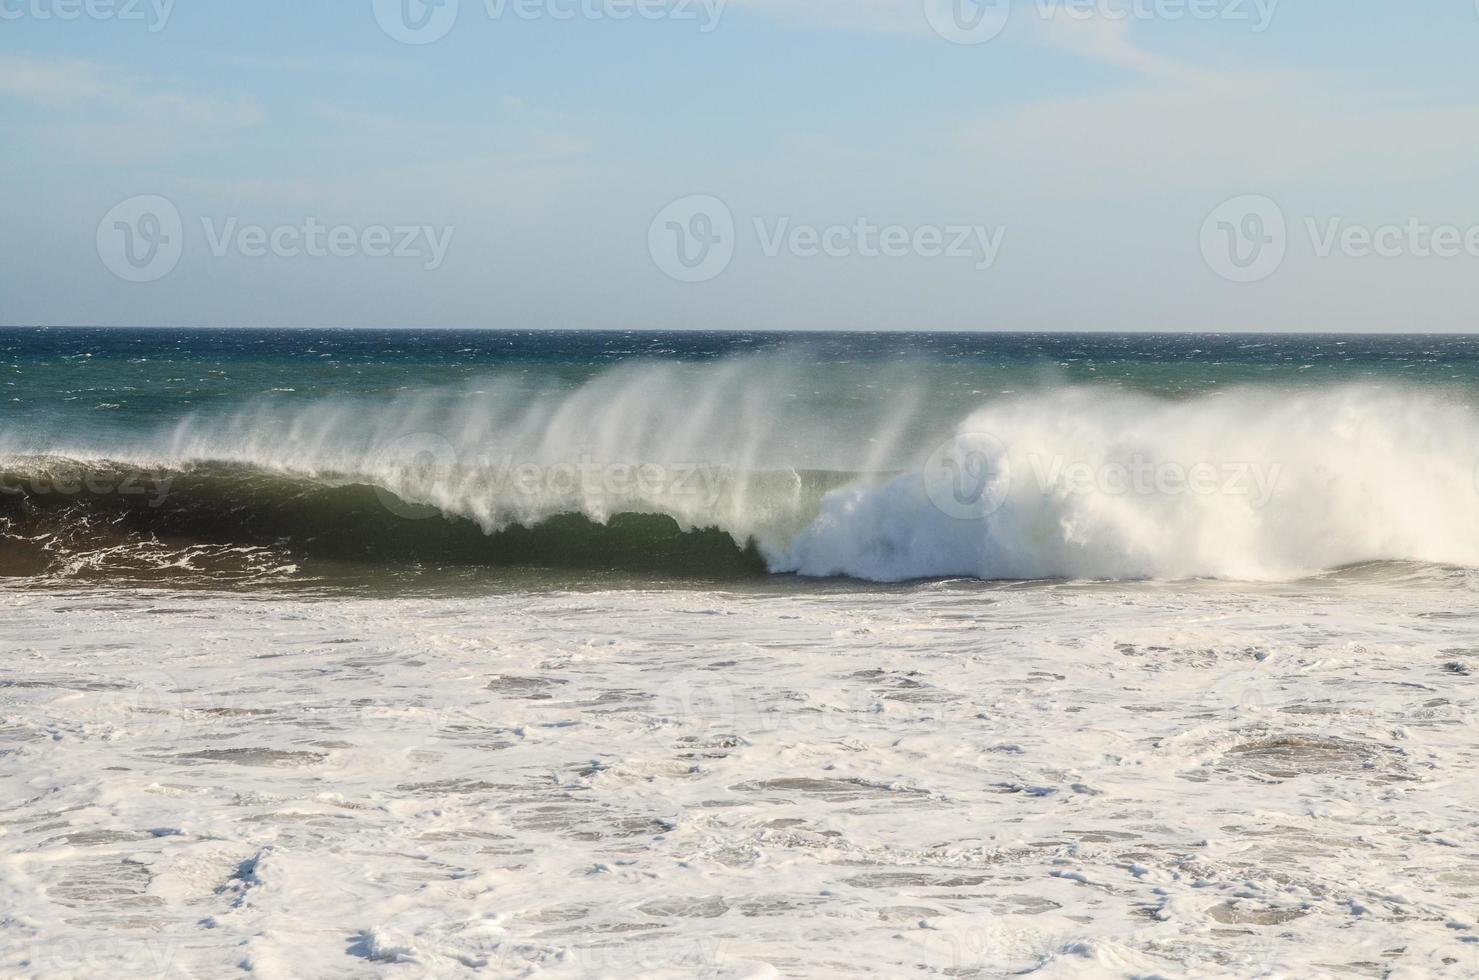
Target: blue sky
[{"x": 541, "y": 148}]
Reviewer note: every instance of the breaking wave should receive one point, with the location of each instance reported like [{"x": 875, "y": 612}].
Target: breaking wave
[{"x": 745, "y": 467}]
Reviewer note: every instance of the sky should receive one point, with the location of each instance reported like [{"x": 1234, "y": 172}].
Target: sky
[{"x": 1201, "y": 165}]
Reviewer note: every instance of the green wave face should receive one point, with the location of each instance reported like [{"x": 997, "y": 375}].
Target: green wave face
[{"x": 230, "y": 523}]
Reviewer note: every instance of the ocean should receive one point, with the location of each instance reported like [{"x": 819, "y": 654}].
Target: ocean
[{"x": 360, "y": 653}]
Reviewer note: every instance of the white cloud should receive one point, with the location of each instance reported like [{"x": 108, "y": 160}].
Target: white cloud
[
  {"x": 1105, "y": 40},
  {"x": 1175, "y": 126},
  {"x": 373, "y": 167},
  {"x": 98, "y": 110},
  {"x": 1171, "y": 124}
]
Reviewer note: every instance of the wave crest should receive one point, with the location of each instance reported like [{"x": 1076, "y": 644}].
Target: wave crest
[{"x": 864, "y": 474}]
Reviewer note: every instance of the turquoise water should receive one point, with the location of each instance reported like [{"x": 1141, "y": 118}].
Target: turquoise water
[{"x": 146, "y": 376}]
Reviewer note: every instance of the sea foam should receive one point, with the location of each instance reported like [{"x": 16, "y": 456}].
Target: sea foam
[
  {"x": 1097, "y": 484},
  {"x": 869, "y": 475}
]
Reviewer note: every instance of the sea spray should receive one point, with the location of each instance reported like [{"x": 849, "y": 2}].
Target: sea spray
[
  {"x": 870, "y": 474},
  {"x": 1098, "y": 484}
]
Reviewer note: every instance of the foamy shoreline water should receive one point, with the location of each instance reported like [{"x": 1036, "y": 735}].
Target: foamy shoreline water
[{"x": 1077, "y": 780}]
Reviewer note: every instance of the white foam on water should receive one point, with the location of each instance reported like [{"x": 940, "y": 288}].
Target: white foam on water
[
  {"x": 1094, "y": 484},
  {"x": 1062, "y": 781}
]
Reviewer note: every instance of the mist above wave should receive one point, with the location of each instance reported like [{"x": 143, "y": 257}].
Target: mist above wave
[{"x": 871, "y": 473}]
